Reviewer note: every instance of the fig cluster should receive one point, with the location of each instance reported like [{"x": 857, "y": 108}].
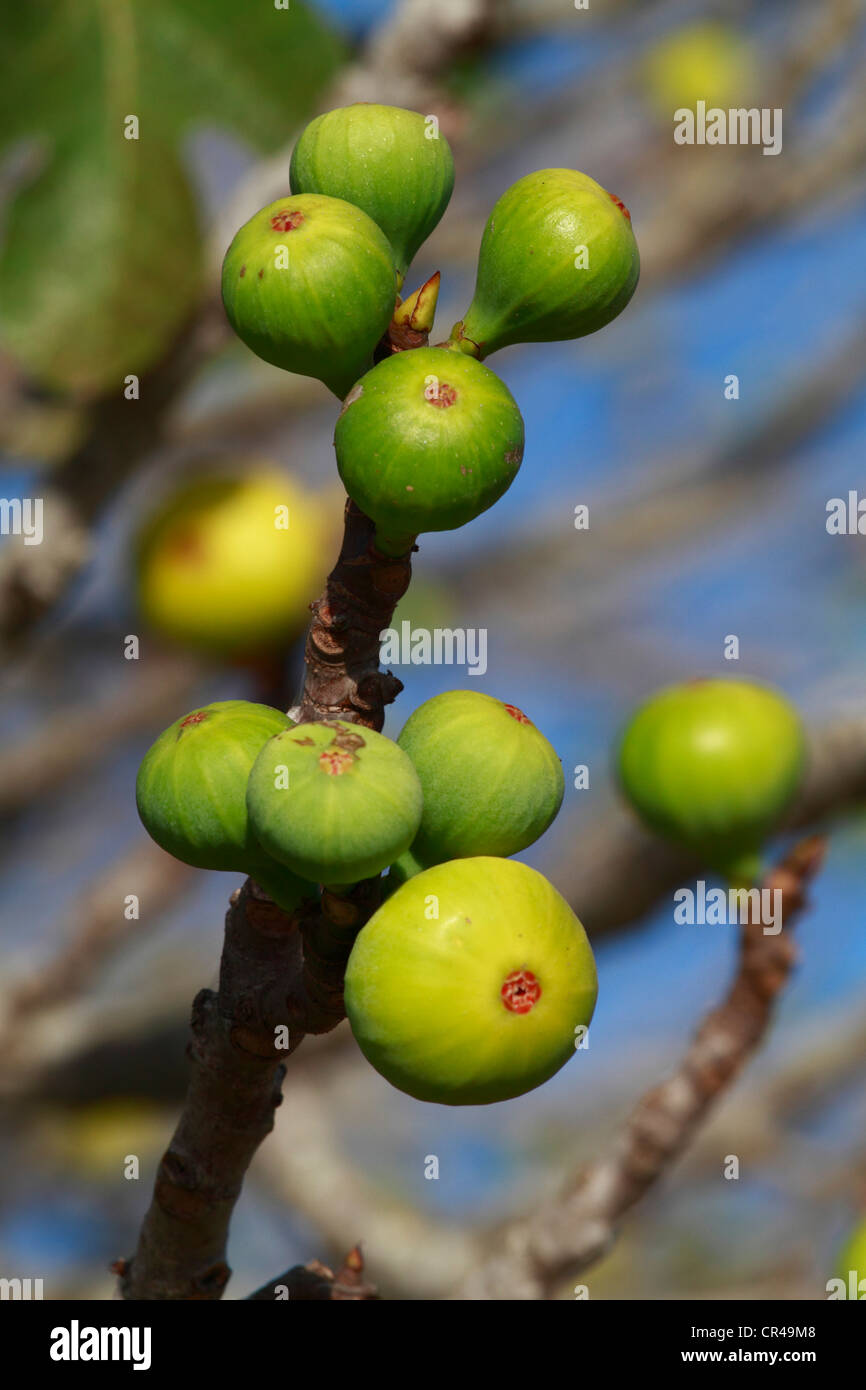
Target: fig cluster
[
  {"x": 474, "y": 981},
  {"x": 469, "y": 983},
  {"x": 429, "y": 438}
]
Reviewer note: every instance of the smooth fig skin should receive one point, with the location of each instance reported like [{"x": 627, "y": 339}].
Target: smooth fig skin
[
  {"x": 390, "y": 162},
  {"x": 468, "y": 984},
  {"x": 492, "y": 783},
  {"x": 333, "y": 802},
  {"x": 713, "y": 764},
  {"x": 426, "y": 441},
  {"x": 309, "y": 284},
  {"x": 191, "y": 793},
  {"x": 558, "y": 260}
]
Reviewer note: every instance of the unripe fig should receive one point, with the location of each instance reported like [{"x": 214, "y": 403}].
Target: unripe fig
[
  {"x": 229, "y": 563},
  {"x": 558, "y": 260},
  {"x": 392, "y": 163},
  {"x": 309, "y": 284},
  {"x": 491, "y": 781},
  {"x": 427, "y": 441},
  {"x": 333, "y": 802},
  {"x": 713, "y": 764},
  {"x": 470, "y": 983},
  {"x": 191, "y": 793}
]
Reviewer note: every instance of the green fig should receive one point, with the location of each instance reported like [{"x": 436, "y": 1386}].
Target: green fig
[
  {"x": 472, "y": 983},
  {"x": 427, "y": 441},
  {"x": 191, "y": 793},
  {"x": 492, "y": 783},
  {"x": 392, "y": 163},
  {"x": 333, "y": 802},
  {"x": 713, "y": 764},
  {"x": 558, "y": 260},
  {"x": 309, "y": 285}
]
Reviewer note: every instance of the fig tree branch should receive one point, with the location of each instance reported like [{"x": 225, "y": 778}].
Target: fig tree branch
[
  {"x": 576, "y": 1228},
  {"x": 277, "y": 972}
]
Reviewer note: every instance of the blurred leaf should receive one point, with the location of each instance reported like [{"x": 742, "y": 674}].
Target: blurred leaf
[{"x": 100, "y": 259}]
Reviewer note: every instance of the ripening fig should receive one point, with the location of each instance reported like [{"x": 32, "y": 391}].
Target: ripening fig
[
  {"x": 191, "y": 793},
  {"x": 392, "y": 163},
  {"x": 558, "y": 260},
  {"x": 333, "y": 802},
  {"x": 228, "y": 562},
  {"x": 472, "y": 983},
  {"x": 707, "y": 61},
  {"x": 713, "y": 764},
  {"x": 492, "y": 783},
  {"x": 427, "y": 441},
  {"x": 309, "y": 284}
]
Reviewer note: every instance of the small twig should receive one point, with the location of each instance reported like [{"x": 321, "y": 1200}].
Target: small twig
[{"x": 577, "y": 1228}]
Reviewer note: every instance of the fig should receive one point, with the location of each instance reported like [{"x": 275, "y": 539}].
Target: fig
[
  {"x": 713, "y": 764},
  {"x": 217, "y": 569},
  {"x": 426, "y": 441},
  {"x": 191, "y": 793},
  {"x": 333, "y": 802},
  {"x": 707, "y": 61},
  {"x": 468, "y": 984},
  {"x": 558, "y": 260},
  {"x": 392, "y": 163},
  {"x": 309, "y": 285},
  {"x": 492, "y": 783}
]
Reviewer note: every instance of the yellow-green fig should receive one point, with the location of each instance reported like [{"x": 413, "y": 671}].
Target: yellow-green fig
[
  {"x": 492, "y": 783},
  {"x": 191, "y": 793},
  {"x": 333, "y": 802},
  {"x": 713, "y": 764},
  {"x": 393, "y": 163},
  {"x": 558, "y": 260},
  {"x": 309, "y": 284},
  {"x": 426, "y": 441},
  {"x": 473, "y": 983},
  {"x": 228, "y": 563}
]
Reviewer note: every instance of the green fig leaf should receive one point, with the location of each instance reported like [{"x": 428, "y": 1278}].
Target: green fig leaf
[{"x": 100, "y": 242}]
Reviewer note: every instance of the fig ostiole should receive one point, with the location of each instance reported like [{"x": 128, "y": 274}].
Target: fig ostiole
[
  {"x": 492, "y": 783},
  {"x": 471, "y": 984},
  {"x": 426, "y": 441},
  {"x": 558, "y": 260},
  {"x": 309, "y": 284},
  {"x": 713, "y": 764},
  {"x": 392, "y": 163},
  {"x": 333, "y": 802},
  {"x": 191, "y": 794}
]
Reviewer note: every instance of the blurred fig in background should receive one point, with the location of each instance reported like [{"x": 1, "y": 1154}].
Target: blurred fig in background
[
  {"x": 229, "y": 563},
  {"x": 709, "y": 62}
]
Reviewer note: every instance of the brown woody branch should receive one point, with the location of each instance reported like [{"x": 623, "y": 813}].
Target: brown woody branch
[
  {"x": 276, "y": 971},
  {"x": 577, "y": 1228},
  {"x": 343, "y": 679}
]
